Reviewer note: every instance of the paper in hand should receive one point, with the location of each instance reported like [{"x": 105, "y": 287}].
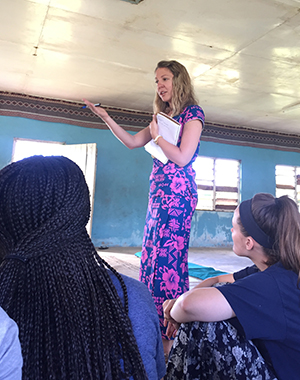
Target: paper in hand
[{"x": 169, "y": 129}]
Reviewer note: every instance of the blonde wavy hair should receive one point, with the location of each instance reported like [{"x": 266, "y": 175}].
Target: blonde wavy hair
[{"x": 182, "y": 92}]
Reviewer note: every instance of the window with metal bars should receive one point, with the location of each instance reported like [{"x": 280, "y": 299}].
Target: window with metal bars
[
  {"x": 288, "y": 182},
  {"x": 218, "y": 183}
]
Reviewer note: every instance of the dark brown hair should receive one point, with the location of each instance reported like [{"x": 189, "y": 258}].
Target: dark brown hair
[{"x": 279, "y": 218}]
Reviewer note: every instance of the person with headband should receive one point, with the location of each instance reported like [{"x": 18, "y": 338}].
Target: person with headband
[
  {"x": 173, "y": 189},
  {"x": 78, "y": 318},
  {"x": 248, "y": 328}
]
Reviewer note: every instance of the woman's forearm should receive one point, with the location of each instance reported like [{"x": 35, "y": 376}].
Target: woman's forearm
[
  {"x": 181, "y": 155},
  {"x": 174, "y": 153},
  {"x": 130, "y": 141}
]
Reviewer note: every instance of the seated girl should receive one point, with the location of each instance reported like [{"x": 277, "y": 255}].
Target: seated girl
[
  {"x": 248, "y": 328},
  {"x": 77, "y": 319}
]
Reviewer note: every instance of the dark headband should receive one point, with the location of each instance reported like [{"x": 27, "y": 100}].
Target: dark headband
[{"x": 252, "y": 227}]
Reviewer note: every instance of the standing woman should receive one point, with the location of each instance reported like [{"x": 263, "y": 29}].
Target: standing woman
[{"x": 173, "y": 191}]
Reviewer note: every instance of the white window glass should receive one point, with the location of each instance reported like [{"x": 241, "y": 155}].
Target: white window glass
[
  {"x": 218, "y": 183},
  {"x": 288, "y": 182}
]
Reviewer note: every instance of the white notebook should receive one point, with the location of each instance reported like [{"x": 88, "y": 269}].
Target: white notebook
[{"x": 169, "y": 129}]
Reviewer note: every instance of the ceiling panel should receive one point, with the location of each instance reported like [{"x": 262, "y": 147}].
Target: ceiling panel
[{"x": 243, "y": 55}]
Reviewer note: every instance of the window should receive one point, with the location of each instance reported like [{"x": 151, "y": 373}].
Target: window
[
  {"x": 288, "y": 182},
  {"x": 218, "y": 183}
]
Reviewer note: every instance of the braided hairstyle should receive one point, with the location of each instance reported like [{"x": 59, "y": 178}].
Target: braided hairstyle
[{"x": 72, "y": 323}]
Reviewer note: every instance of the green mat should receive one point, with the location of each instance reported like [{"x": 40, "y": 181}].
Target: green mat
[{"x": 199, "y": 271}]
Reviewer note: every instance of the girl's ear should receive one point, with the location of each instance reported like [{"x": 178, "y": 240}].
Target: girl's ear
[{"x": 249, "y": 243}]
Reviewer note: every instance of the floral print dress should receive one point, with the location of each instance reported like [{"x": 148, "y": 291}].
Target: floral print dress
[
  {"x": 215, "y": 351},
  {"x": 172, "y": 202}
]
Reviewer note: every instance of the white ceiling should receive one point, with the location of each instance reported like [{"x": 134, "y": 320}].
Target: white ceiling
[{"x": 243, "y": 55}]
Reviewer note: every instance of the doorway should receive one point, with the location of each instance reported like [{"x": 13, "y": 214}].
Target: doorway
[{"x": 84, "y": 155}]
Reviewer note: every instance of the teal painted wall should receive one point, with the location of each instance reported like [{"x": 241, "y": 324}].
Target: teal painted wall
[
  {"x": 212, "y": 229},
  {"x": 122, "y": 179}
]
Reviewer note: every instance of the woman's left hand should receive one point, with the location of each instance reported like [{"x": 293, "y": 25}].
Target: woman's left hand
[
  {"x": 153, "y": 127},
  {"x": 172, "y": 325},
  {"x": 167, "y": 307}
]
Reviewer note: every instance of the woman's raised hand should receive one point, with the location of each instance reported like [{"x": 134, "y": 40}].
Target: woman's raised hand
[{"x": 99, "y": 111}]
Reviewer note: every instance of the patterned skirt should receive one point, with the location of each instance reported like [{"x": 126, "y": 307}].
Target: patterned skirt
[
  {"x": 164, "y": 261},
  {"x": 215, "y": 351}
]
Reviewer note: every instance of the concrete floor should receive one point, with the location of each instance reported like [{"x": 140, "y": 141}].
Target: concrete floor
[{"x": 123, "y": 259}]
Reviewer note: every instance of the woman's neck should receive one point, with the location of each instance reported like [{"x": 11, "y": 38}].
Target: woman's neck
[
  {"x": 260, "y": 263},
  {"x": 168, "y": 110}
]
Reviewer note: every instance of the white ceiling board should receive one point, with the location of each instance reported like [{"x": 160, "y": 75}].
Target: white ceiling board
[
  {"x": 281, "y": 43},
  {"x": 21, "y": 21},
  {"x": 243, "y": 55},
  {"x": 254, "y": 74}
]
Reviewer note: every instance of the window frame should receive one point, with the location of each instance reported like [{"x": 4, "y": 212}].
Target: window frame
[
  {"x": 219, "y": 188},
  {"x": 294, "y": 187}
]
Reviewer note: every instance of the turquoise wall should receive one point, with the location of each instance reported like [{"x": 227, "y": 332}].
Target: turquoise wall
[
  {"x": 122, "y": 180},
  {"x": 212, "y": 229}
]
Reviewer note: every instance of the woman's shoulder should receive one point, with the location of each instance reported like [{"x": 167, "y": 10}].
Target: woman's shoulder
[
  {"x": 282, "y": 275},
  {"x": 137, "y": 290},
  {"x": 133, "y": 286},
  {"x": 10, "y": 348},
  {"x": 7, "y": 325},
  {"x": 193, "y": 111}
]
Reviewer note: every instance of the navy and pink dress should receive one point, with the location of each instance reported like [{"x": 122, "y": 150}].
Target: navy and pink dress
[{"x": 172, "y": 202}]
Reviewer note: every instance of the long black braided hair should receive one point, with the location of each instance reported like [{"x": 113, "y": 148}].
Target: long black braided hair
[{"x": 72, "y": 323}]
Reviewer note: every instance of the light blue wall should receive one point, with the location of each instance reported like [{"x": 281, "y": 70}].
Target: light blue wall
[{"x": 122, "y": 180}]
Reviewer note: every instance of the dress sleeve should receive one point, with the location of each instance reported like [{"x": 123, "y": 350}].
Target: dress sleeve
[{"x": 194, "y": 113}]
